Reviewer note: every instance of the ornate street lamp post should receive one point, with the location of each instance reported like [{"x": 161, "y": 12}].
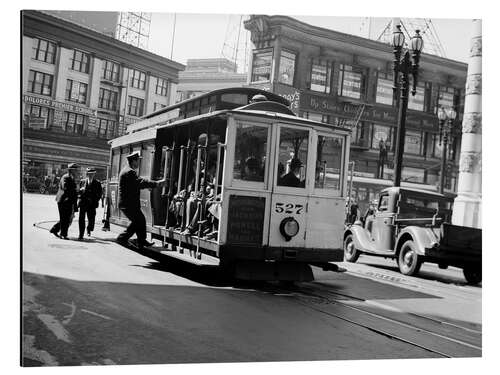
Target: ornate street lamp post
[
  {"x": 446, "y": 118},
  {"x": 405, "y": 67}
]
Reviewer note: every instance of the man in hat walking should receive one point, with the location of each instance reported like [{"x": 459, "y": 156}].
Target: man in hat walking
[
  {"x": 90, "y": 194},
  {"x": 66, "y": 199},
  {"x": 128, "y": 200}
]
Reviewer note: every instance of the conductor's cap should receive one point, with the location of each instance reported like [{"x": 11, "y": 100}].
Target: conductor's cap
[
  {"x": 73, "y": 166},
  {"x": 134, "y": 155}
]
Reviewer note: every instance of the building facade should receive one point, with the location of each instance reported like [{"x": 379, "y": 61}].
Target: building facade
[
  {"x": 204, "y": 75},
  {"x": 81, "y": 88},
  {"x": 347, "y": 80}
]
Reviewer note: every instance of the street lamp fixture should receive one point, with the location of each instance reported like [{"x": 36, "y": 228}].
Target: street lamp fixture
[
  {"x": 404, "y": 67},
  {"x": 446, "y": 121}
]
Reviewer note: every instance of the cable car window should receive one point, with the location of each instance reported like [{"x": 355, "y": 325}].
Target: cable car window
[
  {"x": 240, "y": 99},
  {"x": 115, "y": 161},
  {"x": 250, "y": 152},
  {"x": 147, "y": 155},
  {"x": 292, "y": 159},
  {"x": 123, "y": 159},
  {"x": 328, "y": 162}
]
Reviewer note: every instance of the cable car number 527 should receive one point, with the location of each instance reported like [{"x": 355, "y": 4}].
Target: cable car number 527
[{"x": 288, "y": 208}]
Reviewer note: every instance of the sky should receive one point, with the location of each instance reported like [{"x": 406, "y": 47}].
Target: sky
[{"x": 216, "y": 35}]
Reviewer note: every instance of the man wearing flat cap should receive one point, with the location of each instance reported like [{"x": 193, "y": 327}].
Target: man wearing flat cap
[
  {"x": 90, "y": 194},
  {"x": 128, "y": 200},
  {"x": 66, "y": 199}
]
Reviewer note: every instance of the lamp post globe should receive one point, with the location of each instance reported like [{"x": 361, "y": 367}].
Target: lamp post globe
[
  {"x": 416, "y": 42},
  {"x": 442, "y": 114},
  {"x": 398, "y": 38}
]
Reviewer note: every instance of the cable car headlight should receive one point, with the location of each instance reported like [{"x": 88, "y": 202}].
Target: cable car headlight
[{"x": 289, "y": 228}]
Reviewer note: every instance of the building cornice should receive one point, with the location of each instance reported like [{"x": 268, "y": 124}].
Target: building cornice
[
  {"x": 71, "y": 35},
  {"x": 288, "y": 27}
]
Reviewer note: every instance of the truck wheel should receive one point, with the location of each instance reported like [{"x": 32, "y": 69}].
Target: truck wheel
[
  {"x": 409, "y": 261},
  {"x": 351, "y": 254},
  {"x": 473, "y": 274}
]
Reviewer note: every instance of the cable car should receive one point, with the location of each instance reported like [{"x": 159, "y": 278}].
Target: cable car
[{"x": 249, "y": 185}]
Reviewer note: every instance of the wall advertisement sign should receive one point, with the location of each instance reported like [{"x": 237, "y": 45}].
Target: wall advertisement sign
[
  {"x": 61, "y": 106},
  {"x": 332, "y": 106}
]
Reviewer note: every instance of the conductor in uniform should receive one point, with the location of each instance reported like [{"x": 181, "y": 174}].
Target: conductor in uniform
[
  {"x": 90, "y": 195},
  {"x": 128, "y": 200},
  {"x": 66, "y": 199}
]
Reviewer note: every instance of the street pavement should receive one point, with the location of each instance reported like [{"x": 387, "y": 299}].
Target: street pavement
[{"x": 95, "y": 302}]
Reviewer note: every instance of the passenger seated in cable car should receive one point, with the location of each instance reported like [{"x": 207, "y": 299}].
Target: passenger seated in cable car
[
  {"x": 292, "y": 178},
  {"x": 252, "y": 170}
]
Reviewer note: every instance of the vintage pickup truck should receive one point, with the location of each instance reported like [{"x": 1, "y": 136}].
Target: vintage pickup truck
[{"x": 413, "y": 226}]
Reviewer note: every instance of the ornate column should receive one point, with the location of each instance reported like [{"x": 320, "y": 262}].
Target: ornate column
[{"x": 468, "y": 207}]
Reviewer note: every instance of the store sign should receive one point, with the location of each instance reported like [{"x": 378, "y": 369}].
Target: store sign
[
  {"x": 329, "y": 105},
  {"x": 47, "y": 102},
  {"x": 289, "y": 93},
  {"x": 67, "y": 153}
]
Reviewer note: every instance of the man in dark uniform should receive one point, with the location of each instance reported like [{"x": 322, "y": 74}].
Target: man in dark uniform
[
  {"x": 66, "y": 199},
  {"x": 128, "y": 200},
  {"x": 291, "y": 178},
  {"x": 90, "y": 195}
]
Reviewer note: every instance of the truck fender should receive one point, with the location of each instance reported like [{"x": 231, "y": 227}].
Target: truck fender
[
  {"x": 422, "y": 237},
  {"x": 360, "y": 237}
]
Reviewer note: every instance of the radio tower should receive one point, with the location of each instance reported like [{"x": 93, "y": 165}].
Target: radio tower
[
  {"x": 235, "y": 47},
  {"x": 432, "y": 44},
  {"x": 133, "y": 28}
]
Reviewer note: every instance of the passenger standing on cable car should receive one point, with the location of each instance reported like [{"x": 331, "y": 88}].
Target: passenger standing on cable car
[{"x": 129, "y": 203}]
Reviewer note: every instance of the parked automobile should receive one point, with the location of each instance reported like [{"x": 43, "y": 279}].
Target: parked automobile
[{"x": 414, "y": 226}]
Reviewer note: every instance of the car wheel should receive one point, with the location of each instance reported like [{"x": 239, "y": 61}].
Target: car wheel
[
  {"x": 351, "y": 254},
  {"x": 42, "y": 189},
  {"x": 409, "y": 261},
  {"x": 473, "y": 274}
]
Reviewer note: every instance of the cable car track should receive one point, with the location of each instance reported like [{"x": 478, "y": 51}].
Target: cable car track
[{"x": 320, "y": 299}]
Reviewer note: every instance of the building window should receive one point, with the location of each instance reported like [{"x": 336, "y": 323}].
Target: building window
[
  {"x": 382, "y": 135},
  {"x": 447, "y": 97},
  {"x": 39, "y": 117},
  {"x": 80, "y": 61},
  {"x": 138, "y": 79},
  {"x": 351, "y": 82},
  {"x": 261, "y": 66},
  {"x": 76, "y": 91},
  {"x": 135, "y": 106},
  {"x": 321, "y": 76},
  {"x": 417, "y": 102},
  {"x": 105, "y": 128},
  {"x": 412, "y": 174},
  {"x": 287, "y": 67},
  {"x": 384, "y": 93},
  {"x": 111, "y": 71},
  {"x": 316, "y": 117},
  {"x": 161, "y": 86},
  {"x": 107, "y": 99},
  {"x": 40, "y": 83},
  {"x": 44, "y": 50},
  {"x": 74, "y": 123},
  {"x": 158, "y": 106},
  {"x": 413, "y": 142},
  {"x": 360, "y": 135}
]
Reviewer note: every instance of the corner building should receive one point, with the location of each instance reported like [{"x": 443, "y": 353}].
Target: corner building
[
  {"x": 347, "y": 80},
  {"x": 81, "y": 88}
]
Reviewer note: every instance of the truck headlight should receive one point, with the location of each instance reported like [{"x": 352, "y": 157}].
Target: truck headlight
[{"x": 289, "y": 228}]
